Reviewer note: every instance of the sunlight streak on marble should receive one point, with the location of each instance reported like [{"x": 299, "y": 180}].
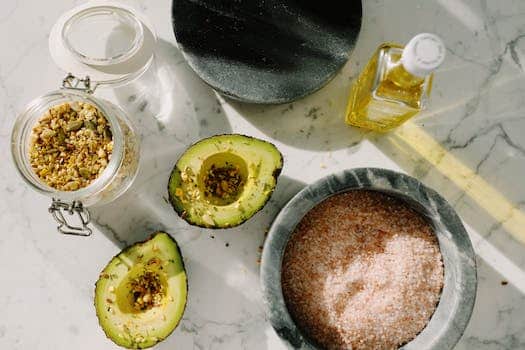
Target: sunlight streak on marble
[
  {"x": 463, "y": 13},
  {"x": 486, "y": 196},
  {"x": 497, "y": 260}
]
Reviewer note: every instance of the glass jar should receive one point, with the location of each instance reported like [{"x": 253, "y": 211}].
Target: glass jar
[
  {"x": 111, "y": 45},
  {"x": 114, "y": 180},
  {"x": 118, "y": 174}
]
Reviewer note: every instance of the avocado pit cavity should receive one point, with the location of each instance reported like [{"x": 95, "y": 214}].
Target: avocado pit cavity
[
  {"x": 223, "y": 176},
  {"x": 147, "y": 291},
  {"x": 224, "y": 183}
]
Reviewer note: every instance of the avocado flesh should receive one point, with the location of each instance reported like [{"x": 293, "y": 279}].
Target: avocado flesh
[
  {"x": 120, "y": 315},
  {"x": 258, "y": 163}
]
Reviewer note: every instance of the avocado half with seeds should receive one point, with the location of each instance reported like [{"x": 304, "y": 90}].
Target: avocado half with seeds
[
  {"x": 140, "y": 295},
  {"x": 222, "y": 181}
]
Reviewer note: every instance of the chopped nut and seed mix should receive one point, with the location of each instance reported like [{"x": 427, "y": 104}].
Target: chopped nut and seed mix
[
  {"x": 223, "y": 182},
  {"x": 146, "y": 291},
  {"x": 71, "y": 146}
]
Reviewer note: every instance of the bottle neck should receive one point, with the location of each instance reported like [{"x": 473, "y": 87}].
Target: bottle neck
[{"x": 400, "y": 77}]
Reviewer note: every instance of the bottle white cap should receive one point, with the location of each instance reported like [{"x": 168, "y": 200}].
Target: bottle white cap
[{"x": 423, "y": 54}]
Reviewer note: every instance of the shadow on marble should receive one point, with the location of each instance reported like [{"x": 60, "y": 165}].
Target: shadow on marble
[
  {"x": 220, "y": 313},
  {"x": 312, "y": 123},
  {"x": 497, "y": 319},
  {"x": 169, "y": 98},
  {"x": 315, "y": 122},
  {"x": 171, "y": 108}
]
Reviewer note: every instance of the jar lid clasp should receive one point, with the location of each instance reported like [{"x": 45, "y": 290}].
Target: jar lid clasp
[
  {"x": 74, "y": 83},
  {"x": 57, "y": 210}
]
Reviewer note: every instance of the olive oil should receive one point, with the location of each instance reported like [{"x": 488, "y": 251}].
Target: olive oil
[{"x": 395, "y": 84}]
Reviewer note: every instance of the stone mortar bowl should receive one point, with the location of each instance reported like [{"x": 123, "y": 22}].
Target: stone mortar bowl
[{"x": 453, "y": 312}]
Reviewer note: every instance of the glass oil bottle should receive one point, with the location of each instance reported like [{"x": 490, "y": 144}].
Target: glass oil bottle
[{"x": 395, "y": 84}]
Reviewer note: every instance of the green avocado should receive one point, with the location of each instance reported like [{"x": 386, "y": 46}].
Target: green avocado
[
  {"x": 222, "y": 181},
  {"x": 140, "y": 295}
]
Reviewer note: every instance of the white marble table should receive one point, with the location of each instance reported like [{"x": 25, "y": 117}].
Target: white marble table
[{"x": 469, "y": 146}]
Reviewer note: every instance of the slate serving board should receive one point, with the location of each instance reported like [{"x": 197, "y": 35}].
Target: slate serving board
[{"x": 266, "y": 51}]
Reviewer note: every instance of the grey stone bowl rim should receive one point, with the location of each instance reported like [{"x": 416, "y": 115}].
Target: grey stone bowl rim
[{"x": 451, "y": 316}]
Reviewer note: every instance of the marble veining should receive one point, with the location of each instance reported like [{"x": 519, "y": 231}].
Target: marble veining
[{"x": 468, "y": 146}]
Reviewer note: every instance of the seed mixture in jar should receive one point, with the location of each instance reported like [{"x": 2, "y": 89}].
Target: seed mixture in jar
[
  {"x": 362, "y": 271},
  {"x": 71, "y": 145}
]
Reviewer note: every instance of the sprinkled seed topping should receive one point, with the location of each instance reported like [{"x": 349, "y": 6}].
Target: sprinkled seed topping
[
  {"x": 71, "y": 146},
  {"x": 146, "y": 291},
  {"x": 223, "y": 182}
]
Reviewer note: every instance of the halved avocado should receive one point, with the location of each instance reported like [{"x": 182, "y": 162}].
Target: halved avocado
[
  {"x": 222, "y": 181},
  {"x": 140, "y": 295}
]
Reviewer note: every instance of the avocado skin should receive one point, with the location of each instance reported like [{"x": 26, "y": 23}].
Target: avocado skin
[
  {"x": 126, "y": 249},
  {"x": 181, "y": 211}
]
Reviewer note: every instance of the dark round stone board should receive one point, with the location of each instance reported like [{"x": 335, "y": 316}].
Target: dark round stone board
[{"x": 271, "y": 51}]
